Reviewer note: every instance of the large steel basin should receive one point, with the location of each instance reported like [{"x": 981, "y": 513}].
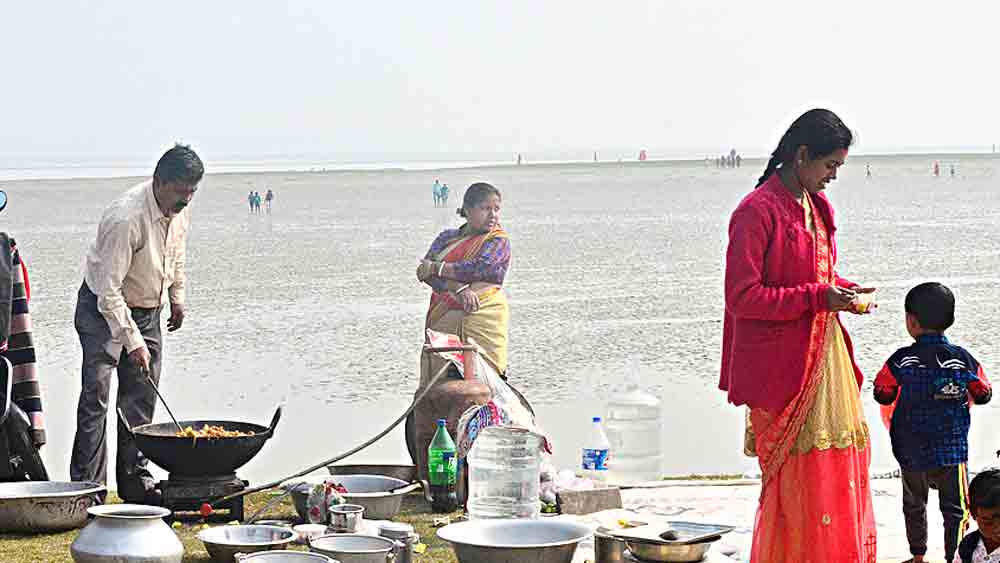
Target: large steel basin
[
  {"x": 47, "y": 506},
  {"x": 509, "y": 541}
]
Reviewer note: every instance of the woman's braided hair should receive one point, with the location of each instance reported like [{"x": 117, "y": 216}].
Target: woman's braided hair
[{"x": 820, "y": 130}]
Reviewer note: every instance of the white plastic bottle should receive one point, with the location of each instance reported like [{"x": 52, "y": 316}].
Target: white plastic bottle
[
  {"x": 595, "y": 452},
  {"x": 634, "y": 427}
]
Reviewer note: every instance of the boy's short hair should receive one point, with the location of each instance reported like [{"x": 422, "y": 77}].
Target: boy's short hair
[
  {"x": 984, "y": 490},
  {"x": 179, "y": 164},
  {"x": 933, "y": 305}
]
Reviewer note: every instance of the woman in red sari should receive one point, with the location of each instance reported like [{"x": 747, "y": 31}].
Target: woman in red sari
[{"x": 788, "y": 358}]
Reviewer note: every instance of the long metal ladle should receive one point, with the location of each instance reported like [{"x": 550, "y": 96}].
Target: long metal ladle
[{"x": 152, "y": 383}]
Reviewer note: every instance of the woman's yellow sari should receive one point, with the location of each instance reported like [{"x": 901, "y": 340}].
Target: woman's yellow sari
[{"x": 487, "y": 326}]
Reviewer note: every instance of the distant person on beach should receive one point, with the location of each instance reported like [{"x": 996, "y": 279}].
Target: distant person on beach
[
  {"x": 256, "y": 202},
  {"x": 983, "y": 545},
  {"x": 952, "y": 170},
  {"x": 133, "y": 268},
  {"x": 436, "y": 190},
  {"x": 739, "y": 160},
  {"x": 868, "y": 170},
  {"x": 268, "y": 199},
  {"x": 782, "y": 300},
  {"x": 937, "y": 170},
  {"x": 926, "y": 389},
  {"x": 444, "y": 195},
  {"x": 17, "y": 347},
  {"x": 250, "y": 200}
]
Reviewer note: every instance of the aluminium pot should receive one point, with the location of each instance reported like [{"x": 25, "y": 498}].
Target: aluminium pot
[{"x": 132, "y": 533}]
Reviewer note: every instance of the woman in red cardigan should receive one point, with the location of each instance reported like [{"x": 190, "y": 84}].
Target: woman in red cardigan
[{"x": 787, "y": 357}]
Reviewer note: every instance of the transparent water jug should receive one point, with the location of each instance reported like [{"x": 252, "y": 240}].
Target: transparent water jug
[
  {"x": 504, "y": 467},
  {"x": 634, "y": 428}
]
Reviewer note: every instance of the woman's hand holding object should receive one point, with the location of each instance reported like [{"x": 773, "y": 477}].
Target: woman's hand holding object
[
  {"x": 425, "y": 270},
  {"x": 864, "y": 301},
  {"x": 470, "y": 301},
  {"x": 839, "y": 298}
]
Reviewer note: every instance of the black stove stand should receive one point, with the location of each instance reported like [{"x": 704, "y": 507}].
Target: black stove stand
[{"x": 187, "y": 494}]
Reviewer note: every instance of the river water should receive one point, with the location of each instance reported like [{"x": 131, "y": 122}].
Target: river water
[{"x": 316, "y": 305}]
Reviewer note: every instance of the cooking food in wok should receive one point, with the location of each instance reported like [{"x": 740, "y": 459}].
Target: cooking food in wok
[
  {"x": 183, "y": 456},
  {"x": 211, "y": 431}
]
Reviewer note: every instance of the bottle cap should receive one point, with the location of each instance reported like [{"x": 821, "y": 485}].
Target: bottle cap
[
  {"x": 597, "y": 419},
  {"x": 442, "y": 421}
]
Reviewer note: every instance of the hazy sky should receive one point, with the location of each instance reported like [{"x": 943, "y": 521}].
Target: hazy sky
[{"x": 252, "y": 78}]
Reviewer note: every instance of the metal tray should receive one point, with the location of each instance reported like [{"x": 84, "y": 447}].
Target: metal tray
[{"x": 686, "y": 532}]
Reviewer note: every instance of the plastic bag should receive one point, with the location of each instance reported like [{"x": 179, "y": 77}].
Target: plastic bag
[
  {"x": 321, "y": 495},
  {"x": 504, "y": 408}
]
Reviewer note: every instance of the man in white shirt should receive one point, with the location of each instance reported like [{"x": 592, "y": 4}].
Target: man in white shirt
[{"x": 133, "y": 268}]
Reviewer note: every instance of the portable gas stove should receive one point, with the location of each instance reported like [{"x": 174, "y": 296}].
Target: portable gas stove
[
  {"x": 187, "y": 494},
  {"x": 201, "y": 469}
]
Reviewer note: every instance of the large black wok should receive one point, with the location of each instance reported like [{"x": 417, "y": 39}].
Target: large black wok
[{"x": 189, "y": 457}]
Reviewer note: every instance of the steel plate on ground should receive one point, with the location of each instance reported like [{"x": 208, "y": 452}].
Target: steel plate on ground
[{"x": 682, "y": 532}]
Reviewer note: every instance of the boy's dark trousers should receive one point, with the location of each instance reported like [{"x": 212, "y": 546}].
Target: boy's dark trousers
[{"x": 952, "y": 485}]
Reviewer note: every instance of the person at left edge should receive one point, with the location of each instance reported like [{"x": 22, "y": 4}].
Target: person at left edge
[
  {"x": 17, "y": 346},
  {"x": 132, "y": 269}
]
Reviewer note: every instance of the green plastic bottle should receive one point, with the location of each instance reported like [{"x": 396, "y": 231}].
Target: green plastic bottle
[{"x": 441, "y": 470}]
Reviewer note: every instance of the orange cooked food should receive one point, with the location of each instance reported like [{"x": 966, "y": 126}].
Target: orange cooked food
[{"x": 211, "y": 431}]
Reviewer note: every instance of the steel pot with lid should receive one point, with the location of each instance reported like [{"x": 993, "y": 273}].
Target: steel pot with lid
[{"x": 405, "y": 539}]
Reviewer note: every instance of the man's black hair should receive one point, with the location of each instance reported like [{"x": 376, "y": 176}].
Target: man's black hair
[{"x": 179, "y": 165}]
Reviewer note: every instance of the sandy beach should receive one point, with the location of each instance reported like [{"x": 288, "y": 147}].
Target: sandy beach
[{"x": 316, "y": 305}]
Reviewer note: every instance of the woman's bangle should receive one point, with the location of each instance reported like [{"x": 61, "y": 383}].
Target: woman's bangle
[
  {"x": 461, "y": 289},
  {"x": 440, "y": 268}
]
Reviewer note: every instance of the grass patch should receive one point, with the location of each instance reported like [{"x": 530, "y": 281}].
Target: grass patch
[{"x": 54, "y": 548}]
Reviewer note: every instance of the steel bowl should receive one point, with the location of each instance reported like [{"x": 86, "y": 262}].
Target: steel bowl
[
  {"x": 355, "y": 548},
  {"x": 407, "y": 473},
  {"x": 47, "y": 506},
  {"x": 224, "y": 542},
  {"x": 381, "y": 496},
  {"x": 670, "y": 552},
  {"x": 524, "y": 541},
  {"x": 279, "y": 523},
  {"x": 283, "y": 557},
  {"x": 307, "y": 532}
]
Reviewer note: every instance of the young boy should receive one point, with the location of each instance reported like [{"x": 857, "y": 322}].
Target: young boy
[
  {"x": 983, "y": 545},
  {"x": 928, "y": 385}
]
